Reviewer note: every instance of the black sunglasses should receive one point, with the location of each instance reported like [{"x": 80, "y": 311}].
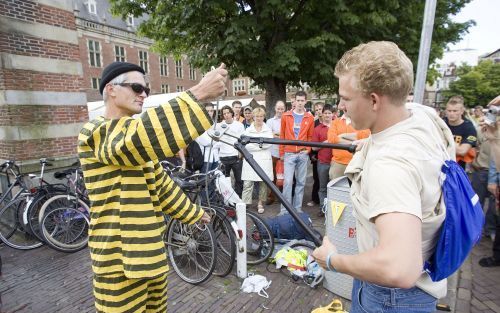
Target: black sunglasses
[{"x": 136, "y": 87}]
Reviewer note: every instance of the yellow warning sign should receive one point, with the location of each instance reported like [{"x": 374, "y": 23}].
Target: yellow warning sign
[{"x": 337, "y": 208}]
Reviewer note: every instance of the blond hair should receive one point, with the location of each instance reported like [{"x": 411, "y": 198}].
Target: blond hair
[
  {"x": 258, "y": 110},
  {"x": 454, "y": 100},
  {"x": 380, "y": 67}
]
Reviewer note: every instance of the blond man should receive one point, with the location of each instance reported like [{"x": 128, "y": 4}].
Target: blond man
[{"x": 395, "y": 184}]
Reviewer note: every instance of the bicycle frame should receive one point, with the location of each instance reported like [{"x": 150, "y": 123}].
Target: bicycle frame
[{"x": 244, "y": 140}]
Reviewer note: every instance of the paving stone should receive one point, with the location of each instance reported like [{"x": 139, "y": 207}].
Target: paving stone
[{"x": 464, "y": 294}]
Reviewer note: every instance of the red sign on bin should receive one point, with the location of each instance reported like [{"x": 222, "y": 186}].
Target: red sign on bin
[{"x": 352, "y": 232}]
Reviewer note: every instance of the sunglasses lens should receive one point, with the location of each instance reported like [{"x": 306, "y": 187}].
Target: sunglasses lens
[{"x": 138, "y": 88}]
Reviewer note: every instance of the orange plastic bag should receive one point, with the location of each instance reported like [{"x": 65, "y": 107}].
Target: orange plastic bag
[{"x": 280, "y": 173}]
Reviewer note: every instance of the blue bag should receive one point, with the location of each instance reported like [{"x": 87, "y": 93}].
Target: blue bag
[{"x": 462, "y": 226}]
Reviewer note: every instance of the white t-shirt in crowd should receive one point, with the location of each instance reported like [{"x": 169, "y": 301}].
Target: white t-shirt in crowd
[
  {"x": 274, "y": 124},
  {"x": 209, "y": 147},
  {"x": 398, "y": 170},
  {"x": 235, "y": 129}
]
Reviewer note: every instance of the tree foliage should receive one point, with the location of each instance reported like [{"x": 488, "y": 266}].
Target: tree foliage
[
  {"x": 477, "y": 84},
  {"x": 280, "y": 42}
]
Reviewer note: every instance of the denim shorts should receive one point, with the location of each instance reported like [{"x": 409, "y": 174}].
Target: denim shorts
[{"x": 367, "y": 297}]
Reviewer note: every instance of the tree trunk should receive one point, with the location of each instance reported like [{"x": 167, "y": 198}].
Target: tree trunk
[{"x": 275, "y": 90}]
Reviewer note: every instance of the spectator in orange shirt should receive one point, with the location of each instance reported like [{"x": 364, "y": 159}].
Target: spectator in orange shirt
[
  {"x": 297, "y": 124},
  {"x": 342, "y": 132}
]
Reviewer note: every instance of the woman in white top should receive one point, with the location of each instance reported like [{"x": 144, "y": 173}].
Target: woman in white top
[{"x": 262, "y": 155}]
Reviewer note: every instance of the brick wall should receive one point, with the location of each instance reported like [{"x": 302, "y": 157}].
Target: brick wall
[
  {"x": 36, "y": 81},
  {"x": 33, "y": 144},
  {"x": 33, "y": 149},
  {"x": 25, "y": 10}
]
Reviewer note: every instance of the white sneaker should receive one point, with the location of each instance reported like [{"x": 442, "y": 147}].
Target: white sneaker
[{"x": 311, "y": 203}]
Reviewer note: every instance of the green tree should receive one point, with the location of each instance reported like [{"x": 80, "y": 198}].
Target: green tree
[
  {"x": 478, "y": 84},
  {"x": 285, "y": 42}
]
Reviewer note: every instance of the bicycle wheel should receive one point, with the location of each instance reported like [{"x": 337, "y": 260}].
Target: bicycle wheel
[
  {"x": 35, "y": 206},
  {"x": 226, "y": 243},
  {"x": 192, "y": 250},
  {"x": 260, "y": 239},
  {"x": 65, "y": 229},
  {"x": 14, "y": 231},
  {"x": 63, "y": 201}
]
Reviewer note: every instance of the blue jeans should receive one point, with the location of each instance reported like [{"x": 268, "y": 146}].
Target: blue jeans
[
  {"x": 479, "y": 181},
  {"x": 367, "y": 297},
  {"x": 295, "y": 163},
  {"x": 324, "y": 178}
]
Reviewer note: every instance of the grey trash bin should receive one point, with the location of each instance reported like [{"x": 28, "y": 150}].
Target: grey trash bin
[{"x": 342, "y": 235}]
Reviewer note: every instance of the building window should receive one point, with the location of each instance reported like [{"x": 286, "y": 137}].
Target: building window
[
  {"x": 238, "y": 85},
  {"x": 180, "y": 88},
  {"x": 164, "y": 88},
  {"x": 94, "y": 83},
  {"x": 163, "y": 66},
  {"x": 94, "y": 53},
  {"x": 143, "y": 60},
  {"x": 91, "y": 5},
  {"x": 130, "y": 20},
  {"x": 119, "y": 54},
  {"x": 192, "y": 72},
  {"x": 178, "y": 68},
  {"x": 253, "y": 89}
]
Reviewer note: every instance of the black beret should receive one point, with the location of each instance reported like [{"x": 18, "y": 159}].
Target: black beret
[{"x": 116, "y": 69}]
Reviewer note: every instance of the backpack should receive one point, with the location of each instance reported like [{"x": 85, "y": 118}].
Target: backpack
[
  {"x": 462, "y": 226},
  {"x": 285, "y": 227},
  {"x": 194, "y": 157}
]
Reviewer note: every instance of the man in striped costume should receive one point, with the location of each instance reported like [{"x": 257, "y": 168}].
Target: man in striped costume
[{"x": 128, "y": 190}]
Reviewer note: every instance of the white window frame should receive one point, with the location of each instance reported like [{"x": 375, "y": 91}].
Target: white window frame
[
  {"x": 163, "y": 66},
  {"x": 178, "y": 69},
  {"x": 92, "y": 6},
  {"x": 144, "y": 60},
  {"x": 165, "y": 88},
  {"x": 97, "y": 81},
  {"x": 238, "y": 85},
  {"x": 130, "y": 20},
  {"x": 192, "y": 72},
  {"x": 119, "y": 57},
  {"x": 93, "y": 54},
  {"x": 179, "y": 88}
]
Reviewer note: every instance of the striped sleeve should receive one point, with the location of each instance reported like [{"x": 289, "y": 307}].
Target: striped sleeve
[
  {"x": 173, "y": 201},
  {"x": 159, "y": 133}
]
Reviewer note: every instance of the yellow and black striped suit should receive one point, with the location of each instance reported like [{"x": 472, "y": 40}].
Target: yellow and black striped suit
[{"x": 128, "y": 189}]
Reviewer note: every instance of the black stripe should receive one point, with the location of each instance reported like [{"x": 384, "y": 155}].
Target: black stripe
[
  {"x": 104, "y": 189},
  {"x": 93, "y": 166},
  {"x": 114, "y": 144},
  {"x": 102, "y": 133},
  {"x": 134, "y": 187},
  {"x": 130, "y": 156},
  {"x": 139, "y": 146},
  {"x": 100, "y": 177},
  {"x": 101, "y": 251},
  {"x": 167, "y": 128},
  {"x": 136, "y": 200},
  {"x": 144, "y": 253},
  {"x": 86, "y": 155},
  {"x": 109, "y": 128},
  {"x": 95, "y": 203},
  {"x": 153, "y": 137},
  {"x": 107, "y": 263},
  {"x": 132, "y": 173},
  {"x": 107, "y": 238}
]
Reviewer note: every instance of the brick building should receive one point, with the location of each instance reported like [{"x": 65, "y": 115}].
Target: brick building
[{"x": 103, "y": 39}]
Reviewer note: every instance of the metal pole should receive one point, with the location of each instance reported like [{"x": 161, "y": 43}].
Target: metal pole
[
  {"x": 425, "y": 47},
  {"x": 241, "y": 256}
]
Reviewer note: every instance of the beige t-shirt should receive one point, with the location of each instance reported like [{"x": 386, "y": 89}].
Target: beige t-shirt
[{"x": 398, "y": 170}]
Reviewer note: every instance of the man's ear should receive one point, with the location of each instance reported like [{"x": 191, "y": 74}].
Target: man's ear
[
  {"x": 110, "y": 89},
  {"x": 375, "y": 101}
]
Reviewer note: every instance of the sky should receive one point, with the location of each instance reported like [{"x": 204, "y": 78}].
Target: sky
[{"x": 485, "y": 35}]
